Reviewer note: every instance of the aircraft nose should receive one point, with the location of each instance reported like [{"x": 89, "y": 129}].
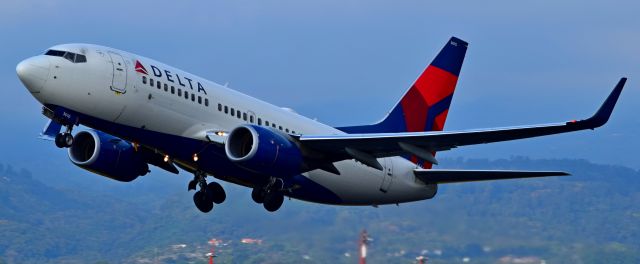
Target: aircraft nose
[{"x": 33, "y": 72}]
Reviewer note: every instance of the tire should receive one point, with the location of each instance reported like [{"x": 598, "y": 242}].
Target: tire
[
  {"x": 273, "y": 201},
  {"x": 59, "y": 141},
  {"x": 257, "y": 194},
  {"x": 202, "y": 202},
  {"x": 217, "y": 192}
]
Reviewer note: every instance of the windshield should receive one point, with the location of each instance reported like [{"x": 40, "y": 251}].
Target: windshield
[{"x": 70, "y": 56}]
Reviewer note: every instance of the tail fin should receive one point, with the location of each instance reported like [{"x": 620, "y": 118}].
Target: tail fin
[{"x": 425, "y": 105}]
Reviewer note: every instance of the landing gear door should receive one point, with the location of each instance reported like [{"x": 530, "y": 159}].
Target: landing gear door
[
  {"x": 119, "y": 82},
  {"x": 387, "y": 175}
]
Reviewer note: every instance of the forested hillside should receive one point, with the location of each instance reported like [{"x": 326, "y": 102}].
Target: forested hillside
[{"x": 590, "y": 217}]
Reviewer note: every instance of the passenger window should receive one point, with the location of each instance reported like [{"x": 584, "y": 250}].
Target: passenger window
[
  {"x": 238, "y": 114},
  {"x": 250, "y": 119},
  {"x": 226, "y": 109},
  {"x": 193, "y": 97},
  {"x": 287, "y": 130},
  {"x": 199, "y": 99},
  {"x": 233, "y": 111},
  {"x": 280, "y": 127},
  {"x": 179, "y": 92},
  {"x": 244, "y": 116},
  {"x": 173, "y": 90},
  {"x": 219, "y": 107},
  {"x": 259, "y": 121},
  {"x": 80, "y": 58},
  {"x": 273, "y": 125},
  {"x": 206, "y": 101},
  {"x": 158, "y": 84},
  {"x": 70, "y": 56},
  {"x": 144, "y": 79},
  {"x": 266, "y": 123},
  {"x": 293, "y": 132},
  {"x": 151, "y": 82},
  {"x": 186, "y": 95},
  {"x": 166, "y": 87}
]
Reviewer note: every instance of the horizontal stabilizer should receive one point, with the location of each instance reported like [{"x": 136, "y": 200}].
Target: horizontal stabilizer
[{"x": 453, "y": 176}]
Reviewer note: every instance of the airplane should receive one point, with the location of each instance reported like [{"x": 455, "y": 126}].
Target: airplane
[{"x": 137, "y": 112}]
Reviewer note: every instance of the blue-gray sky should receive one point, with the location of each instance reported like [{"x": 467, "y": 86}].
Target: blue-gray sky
[{"x": 348, "y": 62}]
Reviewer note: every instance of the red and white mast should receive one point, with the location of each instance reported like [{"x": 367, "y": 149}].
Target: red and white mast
[
  {"x": 363, "y": 247},
  {"x": 213, "y": 242}
]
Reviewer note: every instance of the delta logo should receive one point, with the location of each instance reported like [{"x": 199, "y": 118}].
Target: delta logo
[
  {"x": 172, "y": 77},
  {"x": 140, "y": 68}
]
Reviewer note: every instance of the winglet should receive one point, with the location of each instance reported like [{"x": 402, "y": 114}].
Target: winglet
[{"x": 602, "y": 115}]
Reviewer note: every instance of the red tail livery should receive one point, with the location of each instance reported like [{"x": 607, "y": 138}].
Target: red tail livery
[{"x": 425, "y": 105}]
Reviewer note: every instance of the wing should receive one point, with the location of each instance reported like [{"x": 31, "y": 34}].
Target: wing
[
  {"x": 454, "y": 176},
  {"x": 367, "y": 147}
]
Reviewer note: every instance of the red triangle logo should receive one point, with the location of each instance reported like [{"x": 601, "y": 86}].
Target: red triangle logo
[{"x": 140, "y": 68}]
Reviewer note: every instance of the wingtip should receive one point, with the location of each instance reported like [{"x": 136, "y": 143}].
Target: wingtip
[{"x": 604, "y": 112}]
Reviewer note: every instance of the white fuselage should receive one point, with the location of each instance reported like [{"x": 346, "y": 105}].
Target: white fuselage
[{"x": 109, "y": 86}]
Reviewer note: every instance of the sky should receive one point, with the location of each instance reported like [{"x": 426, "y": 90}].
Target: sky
[{"x": 348, "y": 62}]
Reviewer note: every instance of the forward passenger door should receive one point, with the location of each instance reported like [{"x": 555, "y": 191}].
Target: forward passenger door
[{"x": 119, "y": 81}]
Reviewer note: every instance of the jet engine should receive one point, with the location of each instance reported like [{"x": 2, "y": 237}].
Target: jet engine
[
  {"x": 107, "y": 155},
  {"x": 263, "y": 150}
]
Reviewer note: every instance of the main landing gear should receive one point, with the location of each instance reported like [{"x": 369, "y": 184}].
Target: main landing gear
[
  {"x": 65, "y": 139},
  {"x": 208, "y": 194},
  {"x": 270, "y": 196}
]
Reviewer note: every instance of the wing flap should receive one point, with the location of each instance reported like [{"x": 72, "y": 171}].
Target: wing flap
[
  {"x": 454, "y": 176},
  {"x": 51, "y": 130}
]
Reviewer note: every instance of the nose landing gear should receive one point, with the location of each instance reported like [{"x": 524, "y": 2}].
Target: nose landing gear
[
  {"x": 208, "y": 194},
  {"x": 65, "y": 139}
]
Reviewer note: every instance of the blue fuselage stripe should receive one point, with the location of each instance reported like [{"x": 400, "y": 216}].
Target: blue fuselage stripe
[{"x": 212, "y": 158}]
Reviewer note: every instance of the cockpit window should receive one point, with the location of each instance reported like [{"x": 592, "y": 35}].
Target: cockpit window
[
  {"x": 72, "y": 57},
  {"x": 56, "y": 53},
  {"x": 80, "y": 58}
]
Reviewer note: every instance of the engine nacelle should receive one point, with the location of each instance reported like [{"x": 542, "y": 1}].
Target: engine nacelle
[
  {"x": 263, "y": 150},
  {"x": 107, "y": 155}
]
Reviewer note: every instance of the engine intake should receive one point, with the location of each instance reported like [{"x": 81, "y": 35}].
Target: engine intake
[
  {"x": 107, "y": 155},
  {"x": 263, "y": 150}
]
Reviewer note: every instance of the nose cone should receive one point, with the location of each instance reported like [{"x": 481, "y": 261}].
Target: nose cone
[{"x": 33, "y": 72}]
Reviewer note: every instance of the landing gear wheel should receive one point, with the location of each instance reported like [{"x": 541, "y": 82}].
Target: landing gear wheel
[
  {"x": 64, "y": 140},
  {"x": 67, "y": 139},
  {"x": 59, "y": 141},
  {"x": 273, "y": 201},
  {"x": 217, "y": 192},
  {"x": 257, "y": 194},
  {"x": 202, "y": 203}
]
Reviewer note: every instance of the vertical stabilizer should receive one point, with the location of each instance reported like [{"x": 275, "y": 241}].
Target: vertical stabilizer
[{"x": 424, "y": 107}]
